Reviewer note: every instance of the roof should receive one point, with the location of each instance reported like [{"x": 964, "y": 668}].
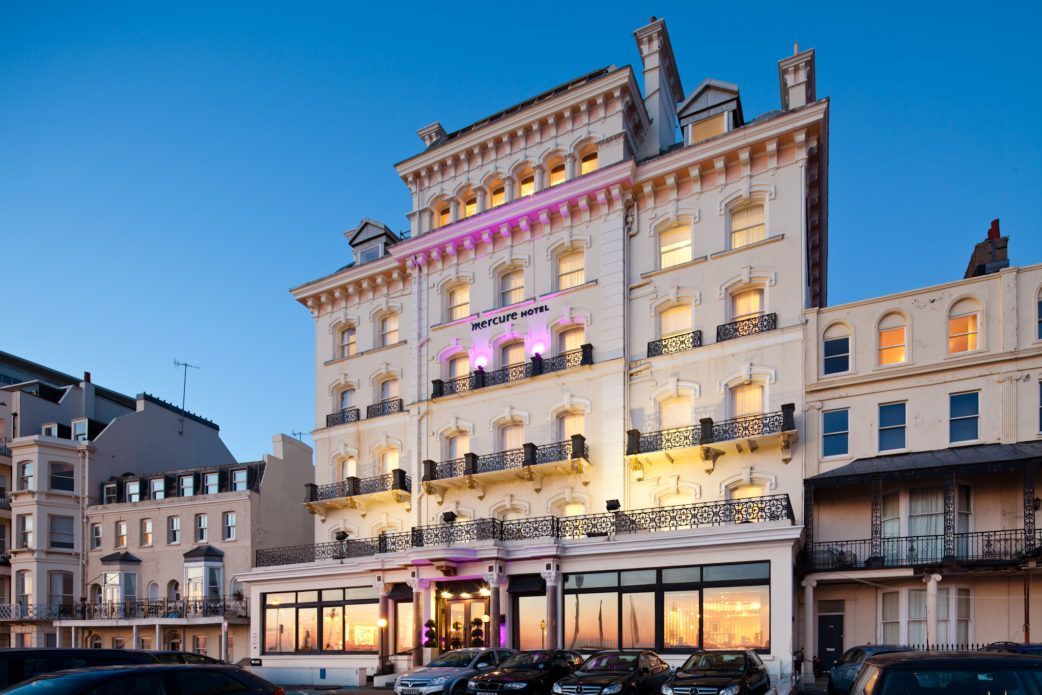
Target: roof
[
  {"x": 709, "y": 98},
  {"x": 203, "y": 551},
  {"x": 937, "y": 659},
  {"x": 120, "y": 558},
  {"x": 369, "y": 229},
  {"x": 918, "y": 462},
  {"x": 179, "y": 411}
]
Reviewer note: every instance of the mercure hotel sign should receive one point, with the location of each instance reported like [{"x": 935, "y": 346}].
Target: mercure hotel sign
[{"x": 508, "y": 317}]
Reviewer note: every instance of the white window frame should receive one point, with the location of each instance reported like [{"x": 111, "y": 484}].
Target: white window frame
[
  {"x": 514, "y": 293},
  {"x": 228, "y": 522}
]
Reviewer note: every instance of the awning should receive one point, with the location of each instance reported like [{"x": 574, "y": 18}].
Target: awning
[{"x": 919, "y": 464}]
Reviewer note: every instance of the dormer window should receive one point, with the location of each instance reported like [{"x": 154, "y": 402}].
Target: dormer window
[
  {"x": 49, "y": 430},
  {"x": 79, "y": 430},
  {"x": 109, "y": 494},
  {"x": 369, "y": 254}
]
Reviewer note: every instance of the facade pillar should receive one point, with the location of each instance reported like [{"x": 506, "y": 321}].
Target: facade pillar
[
  {"x": 158, "y": 644},
  {"x": 808, "y": 627},
  {"x": 508, "y": 188},
  {"x": 482, "y": 199},
  {"x": 553, "y": 598},
  {"x": 494, "y": 579},
  {"x": 931, "y": 608},
  {"x": 381, "y": 634},
  {"x": 877, "y": 517},
  {"x": 421, "y": 601},
  {"x": 539, "y": 178},
  {"x": 569, "y": 167},
  {"x": 454, "y": 210},
  {"x": 73, "y": 644},
  {"x": 135, "y": 637},
  {"x": 58, "y": 637}
]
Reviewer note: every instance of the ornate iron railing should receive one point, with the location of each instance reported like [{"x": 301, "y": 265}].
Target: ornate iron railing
[
  {"x": 4, "y": 450},
  {"x": 749, "y": 326},
  {"x": 36, "y": 611},
  {"x": 675, "y": 343},
  {"x": 162, "y": 608},
  {"x": 500, "y": 461},
  {"x": 460, "y": 384},
  {"x": 686, "y": 516},
  {"x": 747, "y": 426},
  {"x": 514, "y": 372},
  {"x": 527, "y": 455},
  {"x": 341, "y": 417},
  {"x": 561, "y": 451},
  {"x": 352, "y": 487},
  {"x": 511, "y": 372},
  {"x": 676, "y": 438},
  {"x": 910, "y": 551},
  {"x": 707, "y": 431},
  {"x": 453, "y": 468},
  {"x": 566, "y": 360},
  {"x": 384, "y": 407}
]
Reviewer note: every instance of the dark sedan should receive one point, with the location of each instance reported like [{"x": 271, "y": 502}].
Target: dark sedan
[
  {"x": 843, "y": 673},
  {"x": 961, "y": 673},
  {"x": 727, "y": 672},
  {"x": 154, "y": 679},
  {"x": 526, "y": 673},
  {"x": 616, "y": 673}
]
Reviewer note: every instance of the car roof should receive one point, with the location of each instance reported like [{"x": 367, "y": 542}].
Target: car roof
[
  {"x": 897, "y": 660},
  {"x": 103, "y": 670},
  {"x": 880, "y": 648},
  {"x": 722, "y": 651}
]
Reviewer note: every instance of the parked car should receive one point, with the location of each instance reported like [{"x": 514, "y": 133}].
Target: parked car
[
  {"x": 843, "y": 673},
  {"x": 617, "y": 673},
  {"x": 450, "y": 672},
  {"x": 725, "y": 671},
  {"x": 149, "y": 679},
  {"x": 1013, "y": 648},
  {"x": 526, "y": 673},
  {"x": 20, "y": 664},
  {"x": 171, "y": 657},
  {"x": 965, "y": 673}
]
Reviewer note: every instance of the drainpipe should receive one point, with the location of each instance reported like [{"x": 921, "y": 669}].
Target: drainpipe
[{"x": 84, "y": 454}]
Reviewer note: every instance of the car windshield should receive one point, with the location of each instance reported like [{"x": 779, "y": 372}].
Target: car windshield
[
  {"x": 528, "y": 660},
  {"x": 960, "y": 680},
  {"x": 610, "y": 662},
  {"x": 454, "y": 659},
  {"x": 717, "y": 663}
]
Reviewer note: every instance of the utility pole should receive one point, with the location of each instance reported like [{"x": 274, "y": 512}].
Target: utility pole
[{"x": 184, "y": 387}]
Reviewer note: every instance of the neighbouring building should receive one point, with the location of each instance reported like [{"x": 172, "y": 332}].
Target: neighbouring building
[
  {"x": 566, "y": 407},
  {"x": 923, "y": 447},
  {"x": 131, "y": 518}
]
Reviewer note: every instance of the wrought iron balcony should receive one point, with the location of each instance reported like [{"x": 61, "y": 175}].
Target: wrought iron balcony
[
  {"x": 979, "y": 547},
  {"x": 387, "y": 406},
  {"x": 342, "y": 416},
  {"x": 525, "y": 457},
  {"x": 20, "y": 611},
  {"x": 4, "y": 449},
  {"x": 160, "y": 608},
  {"x": 770, "y": 508},
  {"x": 355, "y": 487},
  {"x": 675, "y": 343},
  {"x": 709, "y": 432},
  {"x": 737, "y": 329},
  {"x": 539, "y": 365},
  {"x": 5, "y": 502}
]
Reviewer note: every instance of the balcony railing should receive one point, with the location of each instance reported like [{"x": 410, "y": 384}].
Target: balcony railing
[
  {"x": 527, "y": 455},
  {"x": 353, "y": 487},
  {"x": 737, "y": 329},
  {"x": 708, "y": 432},
  {"x": 4, "y": 449},
  {"x": 480, "y": 378},
  {"x": 385, "y": 407},
  {"x": 36, "y": 611},
  {"x": 341, "y": 417},
  {"x": 5, "y": 502},
  {"x": 162, "y": 608},
  {"x": 770, "y": 508},
  {"x": 675, "y": 343},
  {"x": 983, "y": 547}
]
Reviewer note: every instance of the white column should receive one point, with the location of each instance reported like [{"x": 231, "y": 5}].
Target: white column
[
  {"x": 58, "y": 637},
  {"x": 156, "y": 644},
  {"x": 553, "y": 597},
  {"x": 135, "y": 637},
  {"x": 455, "y": 209},
  {"x": 539, "y": 177},
  {"x": 508, "y": 185},
  {"x": 808, "y": 627},
  {"x": 224, "y": 641},
  {"x": 569, "y": 163},
  {"x": 481, "y": 199},
  {"x": 931, "y": 608},
  {"x": 74, "y": 643},
  {"x": 494, "y": 610}
]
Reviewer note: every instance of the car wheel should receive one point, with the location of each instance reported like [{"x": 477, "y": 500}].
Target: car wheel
[{"x": 459, "y": 689}]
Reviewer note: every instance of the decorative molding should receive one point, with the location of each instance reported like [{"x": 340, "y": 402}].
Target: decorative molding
[{"x": 749, "y": 275}]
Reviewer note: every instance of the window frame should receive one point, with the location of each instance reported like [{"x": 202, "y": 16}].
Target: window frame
[
  {"x": 228, "y": 530},
  {"x": 235, "y": 482},
  {"x": 978, "y": 328},
  {"x": 65, "y": 544},
  {"x": 903, "y": 427},
  {"x": 676, "y": 247},
  {"x": 952, "y": 419},
  {"x": 846, "y": 355},
  {"x": 386, "y": 332},
  {"x": 505, "y": 294},
  {"x": 52, "y": 476},
  {"x": 120, "y": 532},
  {"x": 173, "y": 530},
  {"x": 146, "y": 533},
  {"x": 457, "y": 310},
  {"x": 740, "y": 206},
  {"x": 826, "y": 433},
  {"x": 201, "y": 528},
  {"x": 560, "y": 275},
  {"x": 348, "y": 348}
]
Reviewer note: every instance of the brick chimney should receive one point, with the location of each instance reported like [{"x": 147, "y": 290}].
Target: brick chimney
[{"x": 990, "y": 255}]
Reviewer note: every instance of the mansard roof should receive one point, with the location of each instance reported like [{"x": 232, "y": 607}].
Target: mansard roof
[{"x": 710, "y": 98}]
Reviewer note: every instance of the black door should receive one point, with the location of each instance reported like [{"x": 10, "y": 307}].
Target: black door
[{"x": 830, "y": 638}]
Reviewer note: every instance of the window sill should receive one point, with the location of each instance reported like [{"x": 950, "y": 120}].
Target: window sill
[
  {"x": 678, "y": 266},
  {"x": 891, "y": 367},
  {"x": 892, "y": 452},
  {"x": 965, "y": 353},
  {"x": 754, "y": 245},
  {"x": 836, "y": 458},
  {"x": 968, "y": 442},
  {"x": 836, "y": 375}
]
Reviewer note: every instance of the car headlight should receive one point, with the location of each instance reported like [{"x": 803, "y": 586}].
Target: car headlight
[
  {"x": 730, "y": 690},
  {"x": 612, "y": 689},
  {"x": 517, "y": 685},
  {"x": 439, "y": 680},
  {"x": 666, "y": 690},
  {"x": 472, "y": 684},
  {"x": 557, "y": 689}
]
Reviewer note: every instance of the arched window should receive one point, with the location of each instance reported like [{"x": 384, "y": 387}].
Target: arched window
[
  {"x": 459, "y": 302},
  {"x": 96, "y": 642},
  {"x": 571, "y": 269},
  {"x": 388, "y": 389},
  {"x": 676, "y": 320},
  {"x": 747, "y": 303},
  {"x": 747, "y": 399},
  {"x": 747, "y": 224},
  {"x": 388, "y": 461},
  {"x": 512, "y": 353},
  {"x": 511, "y": 287},
  {"x": 511, "y": 436},
  {"x": 569, "y": 508},
  {"x": 388, "y": 329},
  {"x": 347, "y": 399},
  {"x": 836, "y": 349},
  {"x": 497, "y": 193},
  {"x": 570, "y": 339},
  {"x": 964, "y": 326},
  {"x": 173, "y": 590},
  {"x": 153, "y": 591},
  {"x": 348, "y": 467},
  {"x": 459, "y": 365},
  {"x": 457, "y": 445},
  {"x": 674, "y": 246},
  {"x": 893, "y": 339},
  {"x": 525, "y": 182},
  {"x": 556, "y": 171},
  {"x": 443, "y": 216},
  {"x": 348, "y": 341},
  {"x": 569, "y": 424},
  {"x": 675, "y": 412},
  {"x": 588, "y": 163},
  {"x": 470, "y": 205},
  {"x": 95, "y": 593}
]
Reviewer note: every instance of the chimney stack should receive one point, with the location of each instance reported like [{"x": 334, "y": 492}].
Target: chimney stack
[
  {"x": 796, "y": 79},
  {"x": 990, "y": 255},
  {"x": 662, "y": 88},
  {"x": 86, "y": 377}
]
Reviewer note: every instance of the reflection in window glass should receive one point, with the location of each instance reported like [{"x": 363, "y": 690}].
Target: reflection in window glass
[
  {"x": 736, "y": 618},
  {"x": 680, "y": 613},
  {"x": 333, "y": 628},
  {"x": 638, "y": 577},
  {"x": 280, "y": 626},
  {"x": 360, "y": 634},
  {"x": 532, "y": 628},
  {"x": 403, "y": 626},
  {"x": 591, "y": 621},
  {"x": 307, "y": 630},
  {"x": 594, "y": 580},
  {"x": 676, "y": 575},
  {"x": 749, "y": 570},
  {"x": 638, "y": 621}
]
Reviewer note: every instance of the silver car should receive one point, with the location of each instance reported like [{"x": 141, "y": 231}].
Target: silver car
[{"x": 449, "y": 672}]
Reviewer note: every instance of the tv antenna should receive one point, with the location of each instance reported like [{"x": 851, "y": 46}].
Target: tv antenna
[
  {"x": 299, "y": 435},
  {"x": 184, "y": 366}
]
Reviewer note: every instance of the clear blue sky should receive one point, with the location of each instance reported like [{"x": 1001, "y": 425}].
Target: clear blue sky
[{"x": 168, "y": 171}]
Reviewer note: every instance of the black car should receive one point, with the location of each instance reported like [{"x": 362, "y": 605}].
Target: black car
[
  {"x": 172, "y": 657},
  {"x": 964, "y": 673},
  {"x": 1014, "y": 648},
  {"x": 527, "y": 673},
  {"x": 726, "y": 672},
  {"x": 20, "y": 664},
  {"x": 153, "y": 679},
  {"x": 617, "y": 673}
]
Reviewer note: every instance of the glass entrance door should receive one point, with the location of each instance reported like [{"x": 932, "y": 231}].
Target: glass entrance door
[{"x": 462, "y": 625}]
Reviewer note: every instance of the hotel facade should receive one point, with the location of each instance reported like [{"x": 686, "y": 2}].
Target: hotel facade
[{"x": 566, "y": 408}]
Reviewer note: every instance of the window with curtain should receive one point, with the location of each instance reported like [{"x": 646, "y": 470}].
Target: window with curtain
[
  {"x": 571, "y": 269},
  {"x": 674, "y": 246},
  {"x": 917, "y": 616},
  {"x": 511, "y": 287},
  {"x": 459, "y": 366},
  {"x": 588, "y": 163},
  {"x": 963, "y": 326},
  {"x": 675, "y": 413},
  {"x": 457, "y": 445},
  {"x": 348, "y": 468},
  {"x": 747, "y": 225},
  {"x": 570, "y": 339},
  {"x": 388, "y": 389},
  {"x": 470, "y": 206},
  {"x": 680, "y": 619},
  {"x": 892, "y": 340},
  {"x": 891, "y": 617},
  {"x": 348, "y": 342},
  {"x": 926, "y": 518},
  {"x": 459, "y": 302},
  {"x": 512, "y": 353},
  {"x": 499, "y": 197},
  {"x": 747, "y": 399},
  {"x": 747, "y": 304},
  {"x": 527, "y": 185},
  {"x": 444, "y": 216},
  {"x": 743, "y": 492},
  {"x": 557, "y": 174},
  {"x": 511, "y": 437},
  {"x": 403, "y": 626},
  {"x": 388, "y": 461},
  {"x": 962, "y": 616},
  {"x": 569, "y": 424},
  {"x": 389, "y": 330},
  {"x": 676, "y": 320}
]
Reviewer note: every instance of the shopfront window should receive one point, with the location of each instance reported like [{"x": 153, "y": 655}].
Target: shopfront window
[
  {"x": 594, "y": 621},
  {"x": 736, "y": 618},
  {"x": 403, "y": 640},
  {"x": 680, "y": 619},
  {"x": 331, "y": 620},
  {"x": 531, "y": 612}
]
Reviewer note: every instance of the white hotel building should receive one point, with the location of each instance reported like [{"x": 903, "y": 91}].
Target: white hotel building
[{"x": 566, "y": 407}]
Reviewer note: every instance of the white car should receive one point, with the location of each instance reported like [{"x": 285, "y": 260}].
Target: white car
[{"x": 449, "y": 673}]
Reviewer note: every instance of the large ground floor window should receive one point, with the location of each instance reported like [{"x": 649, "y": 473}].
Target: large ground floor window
[
  {"x": 902, "y": 616},
  {"x": 329, "y": 620},
  {"x": 670, "y": 609}
]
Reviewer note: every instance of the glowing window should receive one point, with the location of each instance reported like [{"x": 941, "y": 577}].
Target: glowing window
[
  {"x": 458, "y": 445},
  {"x": 388, "y": 389},
  {"x": 571, "y": 270},
  {"x": 389, "y": 330},
  {"x": 459, "y": 366},
  {"x": 512, "y": 353},
  {"x": 569, "y": 424},
  {"x": 557, "y": 175},
  {"x": 746, "y": 304},
  {"x": 347, "y": 399},
  {"x": 444, "y": 216},
  {"x": 527, "y": 186},
  {"x": 511, "y": 287},
  {"x": 964, "y": 327},
  {"x": 388, "y": 460},
  {"x": 747, "y": 399},
  {"x": 511, "y": 437},
  {"x": 675, "y": 412},
  {"x": 470, "y": 206},
  {"x": 674, "y": 247},
  {"x": 676, "y": 320},
  {"x": 348, "y": 342},
  {"x": 747, "y": 225},
  {"x": 892, "y": 340},
  {"x": 459, "y": 302},
  {"x": 744, "y": 492},
  {"x": 588, "y": 163},
  {"x": 571, "y": 339},
  {"x": 499, "y": 196}
]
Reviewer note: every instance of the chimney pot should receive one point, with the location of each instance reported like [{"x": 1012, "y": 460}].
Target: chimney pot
[
  {"x": 86, "y": 377},
  {"x": 993, "y": 231}
]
